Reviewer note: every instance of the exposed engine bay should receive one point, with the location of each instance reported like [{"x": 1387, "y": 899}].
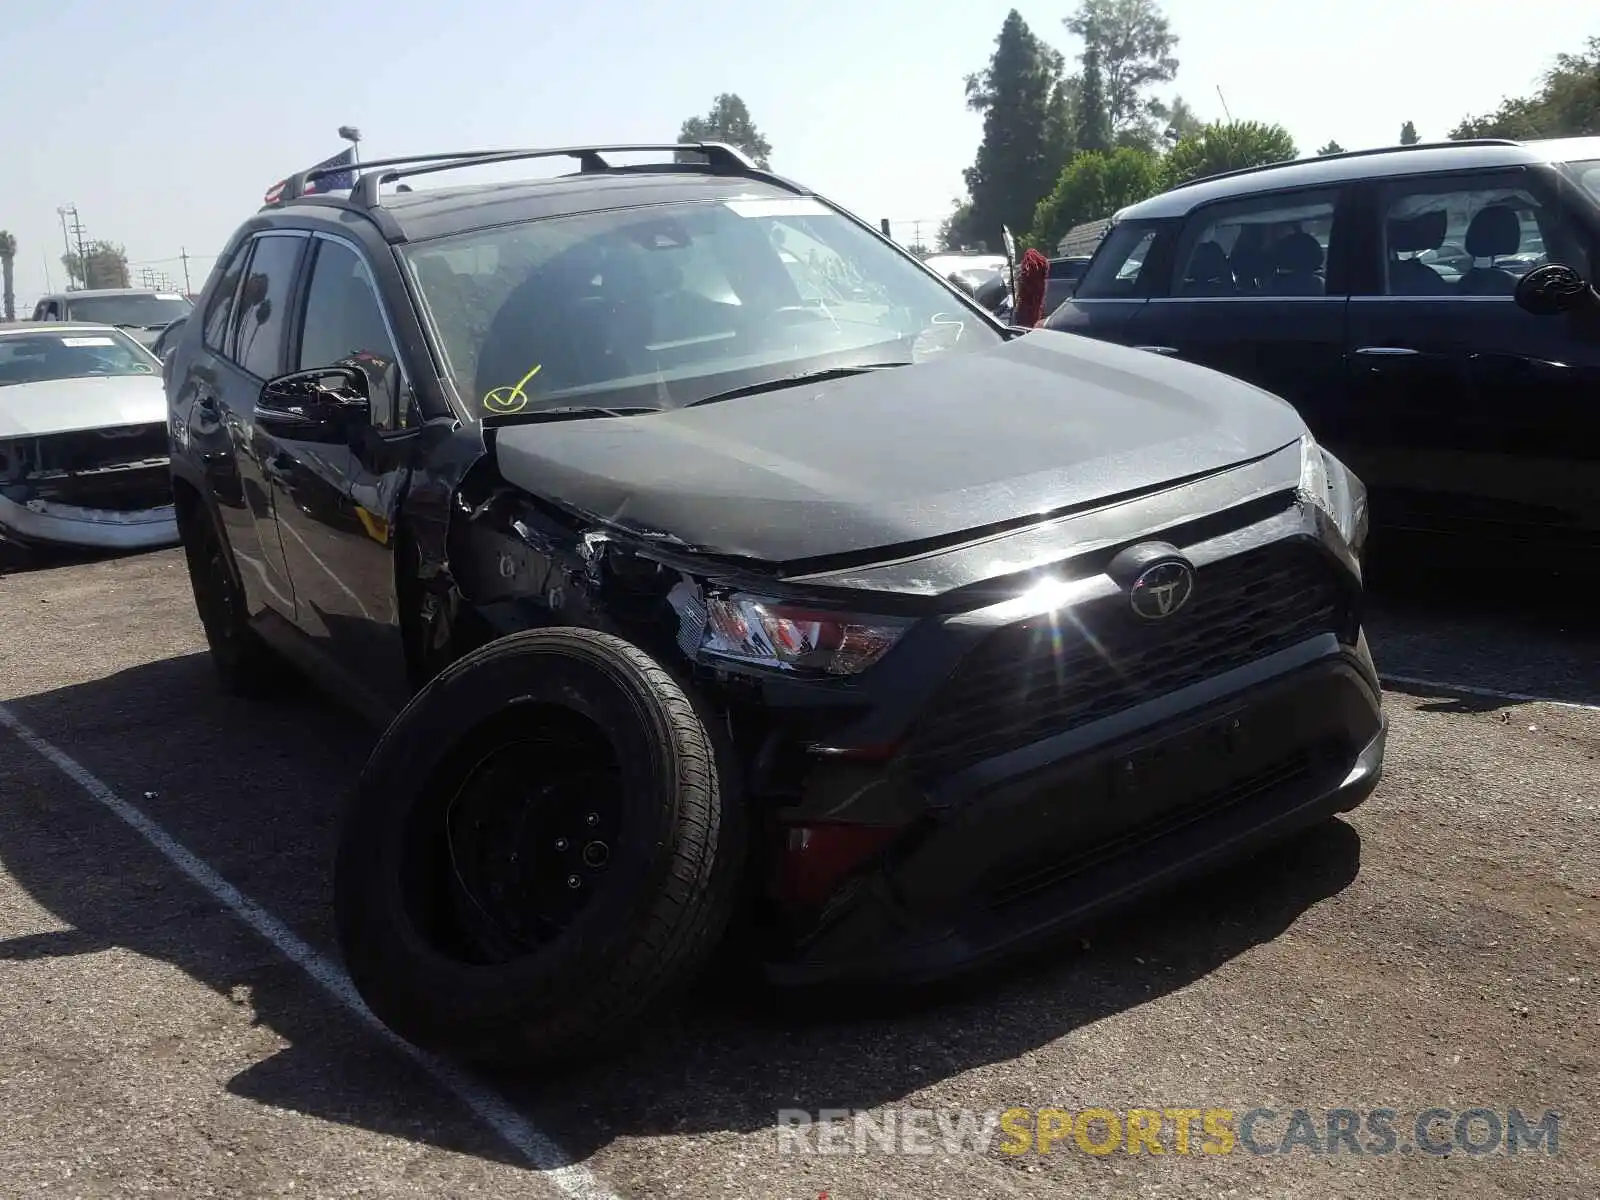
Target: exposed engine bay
[{"x": 114, "y": 477}]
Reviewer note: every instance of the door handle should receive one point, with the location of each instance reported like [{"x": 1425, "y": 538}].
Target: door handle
[
  {"x": 1386, "y": 352},
  {"x": 1158, "y": 349}
]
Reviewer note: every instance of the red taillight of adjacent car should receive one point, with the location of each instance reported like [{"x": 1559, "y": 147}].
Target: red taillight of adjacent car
[{"x": 814, "y": 858}]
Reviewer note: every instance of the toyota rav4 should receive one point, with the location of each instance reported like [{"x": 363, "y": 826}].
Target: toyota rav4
[{"x": 718, "y": 569}]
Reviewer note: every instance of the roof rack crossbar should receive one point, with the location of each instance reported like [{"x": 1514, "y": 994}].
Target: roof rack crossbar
[
  {"x": 719, "y": 156},
  {"x": 1347, "y": 154}
]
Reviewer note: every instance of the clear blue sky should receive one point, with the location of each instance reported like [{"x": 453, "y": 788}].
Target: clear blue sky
[{"x": 165, "y": 122}]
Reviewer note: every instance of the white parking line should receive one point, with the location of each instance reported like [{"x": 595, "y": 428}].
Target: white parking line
[
  {"x": 1467, "y": 689},
  {"x": 537, "y": 1147}
]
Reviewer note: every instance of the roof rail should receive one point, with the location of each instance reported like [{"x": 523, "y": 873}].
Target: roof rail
[
  {"x": 376, "y": 172},
  {"x": 1345, "y": 154}
]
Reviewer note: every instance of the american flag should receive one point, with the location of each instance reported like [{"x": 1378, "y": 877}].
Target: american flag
[{"x": 326, "y": 183}]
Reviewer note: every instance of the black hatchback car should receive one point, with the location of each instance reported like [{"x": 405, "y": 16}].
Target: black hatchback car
[
  {"x": 718, "y": 569},
  {"x": 1376, "y": 291}
]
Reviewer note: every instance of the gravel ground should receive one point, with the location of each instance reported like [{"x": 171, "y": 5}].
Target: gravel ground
[{"x": 1440, "y": 947}]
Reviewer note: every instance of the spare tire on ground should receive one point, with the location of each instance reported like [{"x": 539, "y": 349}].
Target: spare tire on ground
[{"x": 540, "y": 851}]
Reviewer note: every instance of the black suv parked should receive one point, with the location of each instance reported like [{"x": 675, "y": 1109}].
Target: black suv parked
[
  {"x": 1376, "y": 291},
  {"x": 735, "y": 572}
]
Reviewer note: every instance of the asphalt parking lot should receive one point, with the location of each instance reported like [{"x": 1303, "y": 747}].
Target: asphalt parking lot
[{"x": 174, "y": 1021}]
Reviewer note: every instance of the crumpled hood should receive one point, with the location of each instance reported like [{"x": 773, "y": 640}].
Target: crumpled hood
[
  {"x": 909, "y": 454},
  {"x": 67, "y": 405}
]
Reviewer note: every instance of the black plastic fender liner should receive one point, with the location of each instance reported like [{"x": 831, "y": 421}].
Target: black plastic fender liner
[{"x": 651, "y": 925}]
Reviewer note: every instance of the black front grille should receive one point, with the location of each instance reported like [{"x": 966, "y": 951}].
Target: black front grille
[
  {"x": 1009, "y": 886},
  {"x": 91, "y": 448},
  {"x": 1029, "y": 681}
]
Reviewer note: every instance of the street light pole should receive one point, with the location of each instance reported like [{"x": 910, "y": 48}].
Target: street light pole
[{"x": 66, "y": 238}]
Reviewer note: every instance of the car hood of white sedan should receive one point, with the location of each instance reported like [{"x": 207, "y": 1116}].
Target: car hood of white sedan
[{"x": 68, "y": 405}]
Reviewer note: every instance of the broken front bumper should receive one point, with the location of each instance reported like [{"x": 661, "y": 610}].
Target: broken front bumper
[{"x": 47, "y": 522}]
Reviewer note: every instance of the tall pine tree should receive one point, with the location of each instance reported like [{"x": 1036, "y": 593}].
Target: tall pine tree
[{"x": 1026, "y": 128}]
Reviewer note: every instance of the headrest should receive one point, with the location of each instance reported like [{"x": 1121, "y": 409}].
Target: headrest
[
  {"x": 1425, "y": 231},
  {"x": 1496, "y": 230},
  {"x": 1298, "y": 254},
  {"x": 1210, "y": 261}
]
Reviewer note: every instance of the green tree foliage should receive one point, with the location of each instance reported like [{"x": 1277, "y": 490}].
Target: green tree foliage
[
  {"x": 1094, "y": 185},
  {"x": 1227, "y": 146},
  {"x": 1567, "y": 103},
  {"x": 729, "y": 121},
  {"x": 1092, "y": 124},
  {"x": 1332, "y": 147},
  {"x": 1181, "y": 119},
  {"x": 8, "y": 268},
  {"x": 1026, "y": 121},
  {"x": 1131, "y": 43},
  {"x": 104, "y": 265},
  {"x": 955, "y": 234},
  {"x": 1408, "y": 134}
]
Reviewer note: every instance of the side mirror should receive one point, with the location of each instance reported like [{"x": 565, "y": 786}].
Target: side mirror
[
  {"x": 991, "y": 293},
  {"x": 1553, "y": 289},
  {"x": 324, "y": 405}
]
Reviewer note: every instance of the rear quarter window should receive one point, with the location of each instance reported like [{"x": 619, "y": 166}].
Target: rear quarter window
[{"x": 1121, "y": 267}]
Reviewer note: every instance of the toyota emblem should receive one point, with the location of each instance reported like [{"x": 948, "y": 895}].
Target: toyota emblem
[{"x": 1161, "y": 590}]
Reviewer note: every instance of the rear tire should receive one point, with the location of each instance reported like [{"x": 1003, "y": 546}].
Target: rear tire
[
  {"x": 470, "y": 920},
  {"x": 245, "y": 664}
]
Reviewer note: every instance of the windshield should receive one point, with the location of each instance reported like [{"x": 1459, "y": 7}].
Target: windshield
[
  {"x": 152, "y": 311},
  {"x": 665, "y": 305},
  {"x": 1587, "y": 173},
  {"x": 38, "y": 357}
]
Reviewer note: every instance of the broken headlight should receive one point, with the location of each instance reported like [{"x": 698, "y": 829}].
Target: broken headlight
[
  {"x": 793, "y": 637},
  {"x": 1334, "y": 489}
]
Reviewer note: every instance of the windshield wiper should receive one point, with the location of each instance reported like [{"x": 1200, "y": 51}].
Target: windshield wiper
[
  {"x": 783, "y": 381},
  {"x": 569, "y": 410}
]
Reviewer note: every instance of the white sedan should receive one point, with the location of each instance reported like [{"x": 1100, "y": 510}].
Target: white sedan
[{"x": 83, "y": 439}]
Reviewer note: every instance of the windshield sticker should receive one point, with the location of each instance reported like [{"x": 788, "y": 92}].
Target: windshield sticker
[
  {"x": 168, "y": 296},
  {"x": 503, "y": 401},
  {"x": 777, "y": 208},
  {"x": 88, "y": 341}
]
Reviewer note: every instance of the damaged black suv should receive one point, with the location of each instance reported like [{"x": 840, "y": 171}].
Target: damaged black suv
[{"x": 720, "y": 572}]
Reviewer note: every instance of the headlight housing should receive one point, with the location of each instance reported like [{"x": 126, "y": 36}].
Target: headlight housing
[
  {"x": 794, "y": 637},
  {"x": 1329, "y": 485}
]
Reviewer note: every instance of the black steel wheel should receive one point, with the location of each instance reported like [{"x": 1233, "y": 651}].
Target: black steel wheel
[{"x": 540, "y": 851}]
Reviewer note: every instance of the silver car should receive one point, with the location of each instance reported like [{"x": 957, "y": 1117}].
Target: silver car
[{"x": 83, "y": 439}]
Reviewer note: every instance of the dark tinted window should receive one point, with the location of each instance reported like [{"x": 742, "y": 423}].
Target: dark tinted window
[
  {"x": 1265, "y": 246},
  {"x": 344, "y": 326},
  {"x": 221, "y": 306},
  {"x": 1587, "y": 173},
  {"x": 154, "y": 311},
  {"x": 1117, "y": 268},
  {"x": 263, "y": 298},
  {"x": 1474, "y": 235}
]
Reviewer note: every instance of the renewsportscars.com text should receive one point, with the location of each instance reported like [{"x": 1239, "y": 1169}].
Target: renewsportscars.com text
[{"x": 1257, "y": 1131}]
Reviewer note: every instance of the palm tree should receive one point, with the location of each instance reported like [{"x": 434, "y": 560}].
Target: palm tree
[{"x": 8, "y": 260}]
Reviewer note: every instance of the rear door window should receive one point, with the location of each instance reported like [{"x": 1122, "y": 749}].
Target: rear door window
[
  {"x": 1278, "y": 245},
  {"x": 220, "y": 309}
]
